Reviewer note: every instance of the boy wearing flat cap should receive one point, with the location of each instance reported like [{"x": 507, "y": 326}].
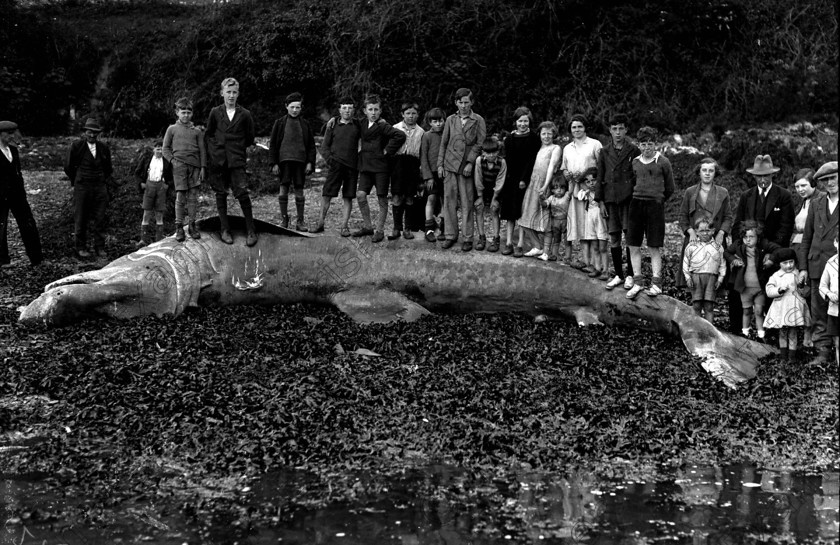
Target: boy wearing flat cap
[
  {"x": 817, "y": 247},
  {"x": 88, "y": 165},
  {"x": 13, "y": 199}
]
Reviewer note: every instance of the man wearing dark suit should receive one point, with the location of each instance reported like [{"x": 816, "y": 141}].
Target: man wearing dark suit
[
  {"x": 13, "y": 199},
  {"x": 88, "y": 165},
  {"x": 817, "y": 246},
  {"x": 768, "y": 204}
]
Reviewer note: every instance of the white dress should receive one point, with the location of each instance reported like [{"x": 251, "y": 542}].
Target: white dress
[
  {"x": 577, "y": 158},
  {"x": 534, "y": 215},
  {"x": 789, "y": 309}
]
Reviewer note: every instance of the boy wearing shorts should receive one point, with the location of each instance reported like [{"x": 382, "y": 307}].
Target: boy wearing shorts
[
  {"x": 340, "y": 150},
  {"x": 183, "y": 146},
  {"x": 154, "y": 173},
  {"x": 292, "y": 156},
  {"x": 654, "y": 184}
]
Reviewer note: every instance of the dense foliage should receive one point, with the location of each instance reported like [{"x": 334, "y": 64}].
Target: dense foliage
[{"x": 672, "y": 63}]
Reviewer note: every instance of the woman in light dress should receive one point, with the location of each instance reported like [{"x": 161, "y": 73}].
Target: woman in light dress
[{"x": 579, "y": 155}]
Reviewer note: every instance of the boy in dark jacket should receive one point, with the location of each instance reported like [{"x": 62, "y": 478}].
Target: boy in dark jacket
[
  {"x": 292, "y": 156},
  {"x": 229, "y": 133},
  {"x": 340, "y": 150}
]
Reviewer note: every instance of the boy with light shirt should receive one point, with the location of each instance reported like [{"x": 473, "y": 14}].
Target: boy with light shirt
[
  {"x": 292, "y": 156},
  {"x": 153, "y": 174},
  {"x": 229, "y": 134},
  {"x": 183, "y": 147}
]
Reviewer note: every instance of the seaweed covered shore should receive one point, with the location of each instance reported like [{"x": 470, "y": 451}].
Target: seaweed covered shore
[{"x": 192, "y": 411}]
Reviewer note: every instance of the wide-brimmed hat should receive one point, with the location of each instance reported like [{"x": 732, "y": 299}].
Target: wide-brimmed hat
[
  {"x": 92, "y": 125},
  {"x": 763, "y": 165},
  {"x": 12, "y": 126},
  {"x": 827, "y": 169}
]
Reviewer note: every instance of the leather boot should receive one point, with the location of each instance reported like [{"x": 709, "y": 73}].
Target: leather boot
[
  {"x": 180, "y": 236},
  {"x": 194, "y": 230},
  {"x": 159, "y": 234},
  {"x": 247, "y": 211},
  {"x": 144, "y": 240},
  {"x": 301, "y": 221},
  {"x": 224, "y": 227}
]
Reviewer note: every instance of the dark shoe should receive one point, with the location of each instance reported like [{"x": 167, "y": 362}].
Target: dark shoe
[
  {"x": 251, "y": 238},
  {"x": 159, "y": 234},
  {"x": 301, "y": 226},
  {"x": 467, "y": 246},
  {"x": 194, "y": 230},
  {"x": 180, "y": 235},
  {"x": 144, "y": 239},
  {"x": 430, "y": 236},
  {"x": 408, "y": 235},
  {"x": 494, "y": 245},
  {"x": 363, "y": 232},
  {"x": 441, "y": 236},
  {"x": 508, "y": 249},
  {"x": 345, "y": 232},
  {"x": 594, "y": 273},
  {"x": 319, "y": 228},
  {"x": 225, "y": 236},
  {"x": 783, "y": 354},
  {"x": 481, "y": 244},
  {"x": 284, "y": 222},
  {"x": 791, "y": 356},
  {"x": 552, "y": 257},
  {"x": 378, "y": 236},
  {"x": 578, "y": 264},
  {"x": 394, "y": 235},
  {"x": 518, "y": 252},
  {"x": 447, "y": 244}
]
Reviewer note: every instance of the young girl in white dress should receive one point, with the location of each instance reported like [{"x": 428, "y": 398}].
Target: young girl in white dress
[
  {"x": 789, "y": 310},
  {"x": 535, "y": 215}
]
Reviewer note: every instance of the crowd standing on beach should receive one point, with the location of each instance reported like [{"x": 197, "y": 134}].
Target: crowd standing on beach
[{"x": 779, "y": 263}]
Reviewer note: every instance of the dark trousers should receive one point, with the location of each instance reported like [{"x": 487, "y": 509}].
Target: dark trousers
[
  {"x": 91, "y": 204},
  {"x": 819, "y": 317},
  {"x": 19, "y": 207}
]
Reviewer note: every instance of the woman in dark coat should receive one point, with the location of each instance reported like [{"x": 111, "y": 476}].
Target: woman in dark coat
[{"x": 521, "y": 147}]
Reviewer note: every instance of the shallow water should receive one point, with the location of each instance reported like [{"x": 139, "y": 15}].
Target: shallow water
[{"x": 444, "y": 505}]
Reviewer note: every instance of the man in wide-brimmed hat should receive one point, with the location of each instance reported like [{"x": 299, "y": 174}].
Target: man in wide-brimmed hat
[
  {"x": 817, "y": 247},
  {"x": 13, "y": 199},
  {"x": 769, "y": 204},
  {"x": 88, "y": 165}
]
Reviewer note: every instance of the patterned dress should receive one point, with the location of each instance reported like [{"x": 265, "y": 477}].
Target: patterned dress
[
  {"x": 534, "y": 215},
  {"x": 788, "y": 309}
]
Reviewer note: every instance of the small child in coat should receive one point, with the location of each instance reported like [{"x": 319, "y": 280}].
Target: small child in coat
[
  {"x": 593, "y": 245},
  {"x": 829, "y": 290},
  {"x": 704, "y": 268},
  {"x": 789, "y": 310},
  {"x": 748, "y": 258},
  {"x": 558, "y": 209}
]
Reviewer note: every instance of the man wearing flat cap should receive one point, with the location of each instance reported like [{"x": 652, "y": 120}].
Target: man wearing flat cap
[
  {"x": 13, "y": 199},
  {"x": 88, "y": 165},
  {"x": 769, "y": 204},
  {"x": 817, "y": 247}
]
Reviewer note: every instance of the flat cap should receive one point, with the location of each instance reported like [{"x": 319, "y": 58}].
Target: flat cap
[
  {"x": 827, "y": 169},
  {"x": 12, "y": 126}
]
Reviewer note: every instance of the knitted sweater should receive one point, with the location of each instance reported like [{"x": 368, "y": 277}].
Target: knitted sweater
[
  {"x": 654, "y": 180},
  {"x": 704, "y": 257},
  {"x": 184, "y": 143}
]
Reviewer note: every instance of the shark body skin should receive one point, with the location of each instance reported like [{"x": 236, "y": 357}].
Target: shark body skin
[{"x": 371, "y": 283}]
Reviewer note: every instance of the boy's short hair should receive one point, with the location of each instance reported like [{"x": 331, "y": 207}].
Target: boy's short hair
[
  {"x": 647, "y": 134},
  {"x": 519, "y": 112},
  {"x": 619, "y": 119},
  {"x": 578, "y": 117},
  {"x": 549, "y": 125},
  {"x": 591, "y": 170},
  {"x": 346, "y": 100},
  {"x": 293, "y": 97},
  {"x": 701, "y": 220},
  {"x": 183, "y": 103},
  {"x": 229, "y": 82},
  {"x": 407, "y": 105},
  {"x": 463, "y": 92},
  {"x": 158, "y": 144},
  {"x": 751, "y": 225},
  {"x": 372, "y": 99},
  {"x": 490, "y": 145}
]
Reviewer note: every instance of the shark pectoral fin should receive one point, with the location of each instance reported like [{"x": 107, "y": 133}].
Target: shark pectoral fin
[
  {"x": 377, "y": 306},
  {"x": 586, "y": 316}
]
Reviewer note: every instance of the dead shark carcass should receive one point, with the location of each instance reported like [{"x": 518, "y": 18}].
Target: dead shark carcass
[{"x": 371, "y": 283}]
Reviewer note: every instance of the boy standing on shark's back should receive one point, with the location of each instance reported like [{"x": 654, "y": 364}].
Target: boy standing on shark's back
[{"x": 183, "y": 147}]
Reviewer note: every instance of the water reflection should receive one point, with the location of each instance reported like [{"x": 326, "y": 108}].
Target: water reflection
[
  {"x": 443, "y": 505},
  {"x": 700, "y": 505}
]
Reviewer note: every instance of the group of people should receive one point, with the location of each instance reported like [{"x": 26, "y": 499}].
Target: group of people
[{"x": 585, "y": 193}]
